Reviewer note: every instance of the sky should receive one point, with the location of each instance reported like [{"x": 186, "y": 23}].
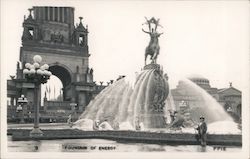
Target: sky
[{"x": 205, "y": 38}]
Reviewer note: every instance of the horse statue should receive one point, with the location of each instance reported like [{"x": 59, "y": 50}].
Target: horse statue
[{"x": 153, "y": 47}]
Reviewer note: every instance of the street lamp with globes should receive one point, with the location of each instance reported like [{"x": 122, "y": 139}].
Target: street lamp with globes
[{"x": 37, "y": 74}]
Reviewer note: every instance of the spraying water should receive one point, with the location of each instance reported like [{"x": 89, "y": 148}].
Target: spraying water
[
  {"x": 140, "y": 104},
  {"x": 206, "y": 105},
  {"x": 125, "y": 106}
]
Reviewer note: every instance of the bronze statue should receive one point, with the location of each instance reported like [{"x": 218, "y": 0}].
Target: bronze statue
[{"x": 153, "y": 47}]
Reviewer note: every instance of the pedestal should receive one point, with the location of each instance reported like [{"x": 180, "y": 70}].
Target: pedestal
[
  {"x": 158, "y": 90},
  {"x": 36, "y": 132},
  {"x": 152, "y": 67},
  {"x": 22, "y": 118},
  {"x": 22, "y": 121}
]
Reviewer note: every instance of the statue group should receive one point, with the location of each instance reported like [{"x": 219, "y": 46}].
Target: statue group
[{"x": 153, "y": 47}]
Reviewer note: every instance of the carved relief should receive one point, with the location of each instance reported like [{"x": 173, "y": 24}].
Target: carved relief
[{"x": 56, "y": 37}]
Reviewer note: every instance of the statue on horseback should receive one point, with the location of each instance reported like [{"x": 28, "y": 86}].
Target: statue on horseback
[{"x": 153, "y": 47}]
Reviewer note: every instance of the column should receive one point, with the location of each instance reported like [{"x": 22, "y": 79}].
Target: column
[
  {"x": 53, "y": 13},
  {"x": 38, "y": 13},
  {"x": 82, "y": 101},
  {"x": 35, "y": 12},
  {"x": 12, "y": 101},
  {"x": 63, "y": 14},
  {"x": 72, "y": 16},
  {"x": 58, "y": 14},
  {"x": 15, "y": 102},
  {"x": 43, "y": 13},
  {"x": 66, "y": 15},
  {"x": 48, "y": 13}
]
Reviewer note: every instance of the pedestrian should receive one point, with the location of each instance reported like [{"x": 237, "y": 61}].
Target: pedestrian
[
  {"x": 69, "y": 121},
  {"x": 202, "y": 131}
]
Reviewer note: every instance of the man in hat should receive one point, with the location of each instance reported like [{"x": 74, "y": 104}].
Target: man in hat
[{"x": 202, "y": 131}]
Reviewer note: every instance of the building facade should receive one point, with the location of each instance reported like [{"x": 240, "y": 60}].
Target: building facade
[{"x": 51, "y": 33}]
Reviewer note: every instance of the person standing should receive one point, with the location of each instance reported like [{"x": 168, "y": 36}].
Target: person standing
[
  {"x": 202, "y": 131},
  {"x": 69, "y": 121}
]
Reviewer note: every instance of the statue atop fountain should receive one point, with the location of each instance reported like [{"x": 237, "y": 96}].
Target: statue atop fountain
[
  {"x": 153, "y": 47},
  {"x": 141, "y": 105}
]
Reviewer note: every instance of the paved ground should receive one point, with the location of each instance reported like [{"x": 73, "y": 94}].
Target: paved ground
[{"x": 42, "y": 126}]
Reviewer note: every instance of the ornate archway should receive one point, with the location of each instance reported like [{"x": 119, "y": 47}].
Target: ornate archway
[{"x": 64, "y": 74}]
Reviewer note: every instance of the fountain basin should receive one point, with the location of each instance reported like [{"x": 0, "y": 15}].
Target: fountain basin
[{"x": 129, "y": 136}]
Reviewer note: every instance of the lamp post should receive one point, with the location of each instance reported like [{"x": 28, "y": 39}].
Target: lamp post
[
  {"x": 38, "y": 75},
  {"x": 21, "y": 101}
]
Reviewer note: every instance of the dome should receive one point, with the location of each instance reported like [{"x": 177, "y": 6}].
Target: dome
[{"x": 198, "y": 79}]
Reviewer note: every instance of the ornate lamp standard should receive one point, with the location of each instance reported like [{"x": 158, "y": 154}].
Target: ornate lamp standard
[
  {"x": 21, "y": 101},
  {"x": 38, "y": 75}
]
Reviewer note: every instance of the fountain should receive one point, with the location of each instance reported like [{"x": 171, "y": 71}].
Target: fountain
[
  {"x": 142, "y": 104},
  {"x": 145, "y": 103}
]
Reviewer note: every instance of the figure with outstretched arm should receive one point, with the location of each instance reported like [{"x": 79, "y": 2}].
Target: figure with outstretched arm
[
  {"x": 148, "y": 23},
  {"x": 157, "y": 24},
  {"x": 159, "y": 34},
  {"x": 146, "y": 31}
]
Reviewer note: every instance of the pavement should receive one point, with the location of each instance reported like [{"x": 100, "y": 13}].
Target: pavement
[{"x": 41, "y": 125}]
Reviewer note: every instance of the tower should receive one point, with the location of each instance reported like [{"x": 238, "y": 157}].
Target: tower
[{"x": 50, "y": 32}]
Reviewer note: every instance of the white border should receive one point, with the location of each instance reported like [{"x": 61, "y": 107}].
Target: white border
[{"x": 228, "y": 155}]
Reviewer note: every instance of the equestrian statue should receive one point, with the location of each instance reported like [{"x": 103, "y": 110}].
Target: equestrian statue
[{"x": 153, "y": 47}]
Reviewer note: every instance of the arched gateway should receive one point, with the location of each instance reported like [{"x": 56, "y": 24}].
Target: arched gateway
[{"x": 50, "y": 32}]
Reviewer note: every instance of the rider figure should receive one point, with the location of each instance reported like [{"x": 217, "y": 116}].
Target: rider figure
[{"x": 153, "y": 47}]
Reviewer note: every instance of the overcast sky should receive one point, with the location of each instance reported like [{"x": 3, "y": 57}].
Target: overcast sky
[{"x": 200, "y": 37}]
